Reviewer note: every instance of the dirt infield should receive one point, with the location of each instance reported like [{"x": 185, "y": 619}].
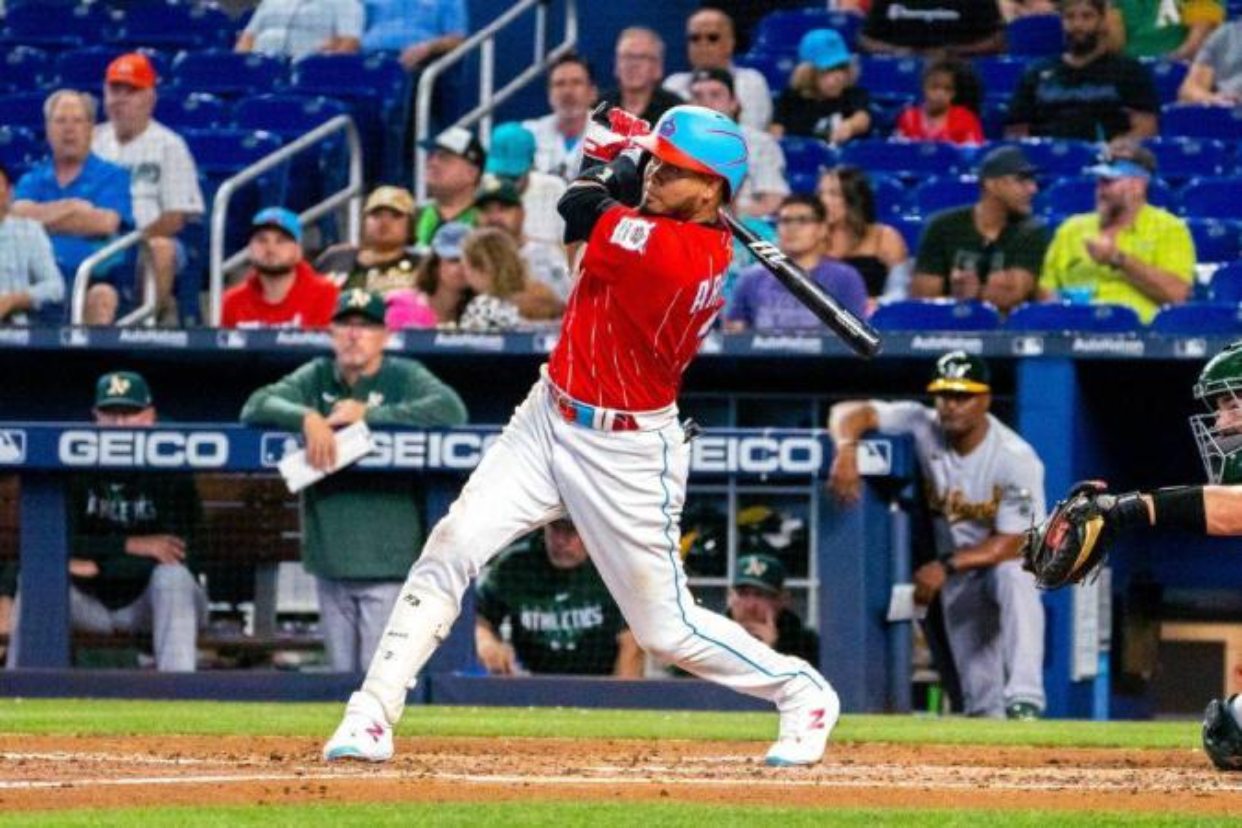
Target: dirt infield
[{"x": 109, "y": 772}]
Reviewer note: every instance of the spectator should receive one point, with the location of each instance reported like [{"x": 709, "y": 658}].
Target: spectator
[
  {"x": 1013, "y": 9},
  {"x": 1087, "y": 93},
  {"x": 639, "y": 70},
  {"x": 512, "y": 156},
  {"x": 296, "y": 28},
  {"x": 1215, "y": 77},
  {"x": 558, "y": 135},
  {"x": 500, "y": 206},
  {"x": 760, "y": 302},
  {"x": 1127, "y": 252},
  {"x": 360, "y": 533},
  {"x": 281, "y": 290},
  {"x": 454, "y": 167},
  {"x": 442, "y": 276},
  {"x": 991, "y": 250},
  {"x": 383, "y": 262},
  {"x": 877, "y": 251},
  {"x": 985, "y": 487},
  {"x": 163, "y": 178},
  {"x": 496, "y": 274},
  {"x": 920, "y": 27},
  {"x": 939, "y": 118},
  {"x": 550, "y": 578},
  {"x": 822, "y": 100},
  {"x": 746, "y": 14},
  {"x": 1168, "y": 29},
  {"x": 29, "y": 278},
  {"x": 419, "y": 30},
  {"x": 133, "y": 540},
  {"x": 759, "y": 602},
  {"x": 710, "y": 41},
  {"x": 82, "y": 201},
  {"x": 765, "y": 183}
]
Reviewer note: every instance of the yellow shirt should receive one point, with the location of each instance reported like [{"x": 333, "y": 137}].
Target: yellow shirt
[{"x": 1157, "y": 237}]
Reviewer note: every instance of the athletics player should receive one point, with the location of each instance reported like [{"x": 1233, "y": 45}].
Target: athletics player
[{"x": 598, "y": 439}]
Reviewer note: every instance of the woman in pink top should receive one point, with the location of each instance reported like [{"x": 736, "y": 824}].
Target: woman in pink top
[{"x": 938, "y": 118}]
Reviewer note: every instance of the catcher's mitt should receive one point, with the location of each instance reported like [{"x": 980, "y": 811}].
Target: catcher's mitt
[{"x": 1071, "y": 542}]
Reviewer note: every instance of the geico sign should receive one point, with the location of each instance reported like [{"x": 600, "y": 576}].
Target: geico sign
[
  {"x": 756, "y": 455},
  {"x": 420, "y": 450},
  {"x": 153, "y": 449}
]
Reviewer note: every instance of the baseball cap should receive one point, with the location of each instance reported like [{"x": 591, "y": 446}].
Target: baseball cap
[
  {"x": 460, "y": 141},
  {"x": 761, "y": 571},
  {"x": 447, "y": 241},
  {"x": 281, "y": 219},
  {"x": 513, "y": 151},
  {"x": 719, "y": 75},
  {"x": 961, "y": 373},
  {"x": 1125, "y": 159},
  {"x": 122, "y": 389},
  {"x": 496, "y": 188},
  {"x": 824, "y": 49},
  {"x": 1008, "y": 160},
  {"x": 132, "y": 69},
  {"x": 398, "y": 199},
  {"x": 359, "y": 302}
]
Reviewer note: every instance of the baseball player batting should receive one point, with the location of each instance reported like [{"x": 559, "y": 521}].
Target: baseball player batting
[{"x": 598, "y": 439}]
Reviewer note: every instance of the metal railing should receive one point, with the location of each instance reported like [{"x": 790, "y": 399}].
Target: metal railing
[
  {"x": 350, "y": 194},
  {"x": 484, "y": 41},
  {"x": 82, "y": 282}
]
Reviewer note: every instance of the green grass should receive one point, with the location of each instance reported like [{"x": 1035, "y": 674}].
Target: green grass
[
  {"x": 113, "y": 717},
  {"x": 560, "y": 814}
]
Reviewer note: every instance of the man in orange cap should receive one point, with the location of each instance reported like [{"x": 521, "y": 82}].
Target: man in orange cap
[{"x": 163, "y": 178}]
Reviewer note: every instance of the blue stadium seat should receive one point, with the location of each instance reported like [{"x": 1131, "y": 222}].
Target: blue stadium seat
[
  {"x": 892, "y": 78},
  {"x": 1059, "y": 159},
  {"x": 23, "y": 109},
  {"x": 935, "y": 315},
  {"x": 1199, "y": 318},
  {"x": 779, "y": 32},
  {"x": 1077, "y": 195},
  {"x": 172, "y": 26},
  {"x": 910, "y": 228},
  {"x": 1062, "y": 316},
  {"x": 192, "y": 110},
  {"x": 312, "y": 174},
  {"x": 228, "y": 74},
  {"x": 377, "y": 90},
  {"x": 1226, "y": 284},
  {"x": 1168, "y": 76},
  {"x": 1195, "y": 121},
  {"x": 775, "y": 68},
  {"x": 938, "y": 194},
  {"x": 85, "y": 68},
  {"x": 220, "y": 154},
  {"x": 802, "y": 182},
  {"x": 807, "y": 156},
  {"x": 918, "y": 160},
  {"x": 994, "y": 116},
  {"x": 1219, "y": 198},
  {"x": 1179, "y": 159},
  {"x": 19, "y": 149},
  {"x": 1216, "y": 241},
  {"x": 54, "y": 26},
  {"x": 24, "y": 68},
  {"x": 1000, "y": 75},
  {"x": 1035, "y": 35},
  {"x": 890, "y": 195}
]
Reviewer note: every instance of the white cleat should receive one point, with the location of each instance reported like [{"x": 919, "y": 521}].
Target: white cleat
[
  {"x": 805, "y": 730},
  {"x": 364, "y": 734}
]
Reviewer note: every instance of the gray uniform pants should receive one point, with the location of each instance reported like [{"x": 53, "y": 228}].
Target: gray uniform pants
[
  {"x": 352, "y": 616},
  {"x": 995, "y": 623},
  {"x": 172, "y": 608}
]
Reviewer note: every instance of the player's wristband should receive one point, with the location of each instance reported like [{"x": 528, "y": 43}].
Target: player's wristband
[
  {"x": 1128, "y": 511},
  {"x": 950, "y": 568},
  {"x": 620, "y": 177},
  {"x": 1180, "y": 507}
]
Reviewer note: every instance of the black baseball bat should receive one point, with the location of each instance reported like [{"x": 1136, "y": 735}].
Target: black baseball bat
[{"x": 853, "y": 331}]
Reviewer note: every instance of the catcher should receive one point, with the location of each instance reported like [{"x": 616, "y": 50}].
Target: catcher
[{"x": 1071, "y": 543}]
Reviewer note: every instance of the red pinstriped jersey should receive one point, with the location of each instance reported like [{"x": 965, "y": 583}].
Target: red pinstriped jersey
[{"x": 649, "y": 290}]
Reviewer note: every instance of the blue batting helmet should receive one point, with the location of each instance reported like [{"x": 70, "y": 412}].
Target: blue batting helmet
[{"x": 700, "y": 139}]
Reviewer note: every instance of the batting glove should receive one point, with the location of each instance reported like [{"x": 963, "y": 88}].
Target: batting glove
[{"x": 604, "y": 143}]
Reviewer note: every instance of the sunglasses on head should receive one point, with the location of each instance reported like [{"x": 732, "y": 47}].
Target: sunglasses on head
[{"x": 710, "y": 37}]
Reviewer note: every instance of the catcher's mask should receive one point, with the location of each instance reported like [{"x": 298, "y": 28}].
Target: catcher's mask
[{"x": 1218, "y": 433}]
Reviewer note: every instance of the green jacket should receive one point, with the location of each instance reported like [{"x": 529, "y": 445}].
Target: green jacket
[{"x": 357, "y": 525}]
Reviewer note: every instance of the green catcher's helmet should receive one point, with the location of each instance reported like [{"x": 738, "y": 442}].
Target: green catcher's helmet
[{"x": 1220, "y": 447}]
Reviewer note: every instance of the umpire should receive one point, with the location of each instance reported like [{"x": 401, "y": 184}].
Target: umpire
[{"x": 360, "y": 533}]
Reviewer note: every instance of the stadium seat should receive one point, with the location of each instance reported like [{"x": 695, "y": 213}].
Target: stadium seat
[
  {"x": 892, "y": 78},
  {"x": 1168, "y": 76},
  {"x": 1226, "y": 284},
  {"x": 807, "y": 156},
  {"x": 172, "y": 26},
  {"x": 775, "y": 68},
  {"x": 1215, "y": 240},
  {"x": 193, "y": 110},
  {"x": 24, "y": 68},
  {"x": 312, "y": 174},
  {"x": 228, "y": 74},
  {"x": 994, "y": 116},
  {"x": 1195, "y": 121},
  {"x": 1077, "y": 195},
  {"x": 910, "y": 228},
  {"x": 890, "y": 195},
  {"x": 938, "y": 194},
  {"x": 1056, "y": 159},
  {"x": 935, "y": 315},
  {"x": 1179, "y": 159},
  {"x": 23, "y": 109},
  {"x": 999, "y": 75},
  {"x": 918, "y": 160},
  {"x": 1034, "y": 35},
  {"x": 1219, "y": 198},
  {"x": 1199, "y": 318},
  {"x": 1062, "y": 316},
  {"x": 779, "y": 32},
  {"x": 55, "y": 27},
  {"x": 85, "y": 68},
  {"x": 222, "y": 153},
  {"x": 19, "y": 149}
]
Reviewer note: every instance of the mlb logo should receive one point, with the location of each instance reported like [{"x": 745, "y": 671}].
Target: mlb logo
[
  {"x": 875, "y": 458},
  {"x": 230, "y": 339},
  {"x": 74, "y": 337},
  {"x": 12, "y": 447},
  {"x": 274, "y": 447}
]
